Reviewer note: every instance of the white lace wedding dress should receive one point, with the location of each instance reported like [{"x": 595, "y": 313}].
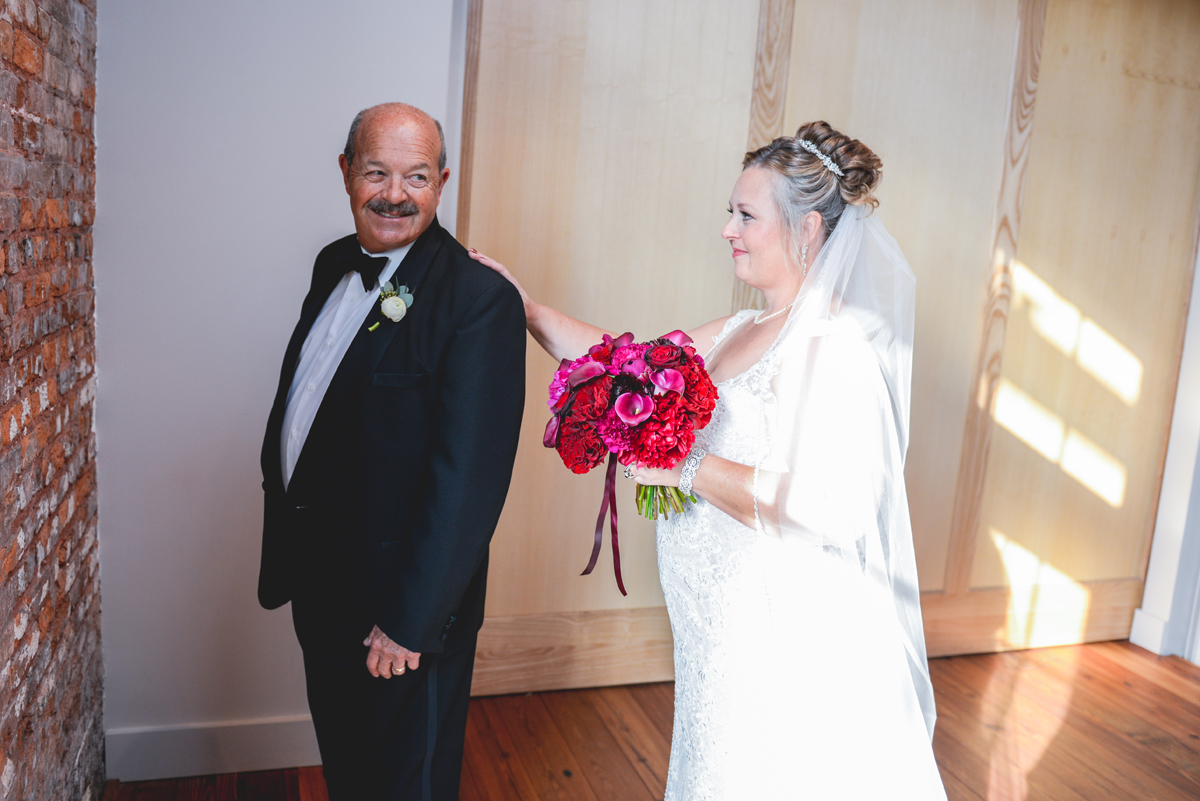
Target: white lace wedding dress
[{"x": 791, "y": 674}]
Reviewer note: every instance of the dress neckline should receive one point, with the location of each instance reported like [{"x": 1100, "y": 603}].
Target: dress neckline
[{"x": 735, "y": 322}]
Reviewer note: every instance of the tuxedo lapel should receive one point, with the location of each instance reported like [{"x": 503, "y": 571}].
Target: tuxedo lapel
[
  {"x": 353, "y": 374},
  {"x": 325, "y": 277}
]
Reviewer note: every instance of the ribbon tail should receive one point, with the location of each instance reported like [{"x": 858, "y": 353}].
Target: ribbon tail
[
  {"x": 611, "y": 488},
  {"x": 609, "y": 480}
]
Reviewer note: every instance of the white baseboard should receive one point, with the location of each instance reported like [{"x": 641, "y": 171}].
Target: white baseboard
[
  {"x": 160, "y": 752},
  {"x": 1147, "y": 631},
  {"x": 525, "y": 653}
]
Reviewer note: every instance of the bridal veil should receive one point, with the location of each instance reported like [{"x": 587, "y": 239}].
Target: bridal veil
[{"x": 837, "y": 418}]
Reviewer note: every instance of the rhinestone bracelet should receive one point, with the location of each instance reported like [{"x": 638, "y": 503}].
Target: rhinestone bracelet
[{"x": 690, "y": 465}]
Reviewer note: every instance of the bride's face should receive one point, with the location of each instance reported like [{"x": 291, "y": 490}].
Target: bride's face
[{"x": 756, "y": 231}]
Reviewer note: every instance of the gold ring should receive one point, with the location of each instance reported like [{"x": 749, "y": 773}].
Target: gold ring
[{"x": 397, "y": 670}]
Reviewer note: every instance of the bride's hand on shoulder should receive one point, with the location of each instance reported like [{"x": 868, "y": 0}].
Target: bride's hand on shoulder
[{"x": 488, "y": 261}]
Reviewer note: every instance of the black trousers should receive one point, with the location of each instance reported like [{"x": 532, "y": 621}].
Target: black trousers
[{"x": 397, "y": 739}]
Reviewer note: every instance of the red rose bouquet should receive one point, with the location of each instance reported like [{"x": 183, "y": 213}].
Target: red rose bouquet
[{"x": 633, "y": 402}]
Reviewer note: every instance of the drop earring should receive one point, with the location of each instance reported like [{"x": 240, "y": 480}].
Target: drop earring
[{"x": 804, "y": 257}]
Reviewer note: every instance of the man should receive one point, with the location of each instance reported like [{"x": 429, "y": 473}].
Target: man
[{"x": 387, "y": 459}]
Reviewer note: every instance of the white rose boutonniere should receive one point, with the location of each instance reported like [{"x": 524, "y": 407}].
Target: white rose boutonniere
[
  {"x": 393, "y": 302},
  {"x": 393, "y": 308}
]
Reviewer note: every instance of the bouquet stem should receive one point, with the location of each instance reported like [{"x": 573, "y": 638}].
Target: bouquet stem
[{"x": 656, "y": 502}]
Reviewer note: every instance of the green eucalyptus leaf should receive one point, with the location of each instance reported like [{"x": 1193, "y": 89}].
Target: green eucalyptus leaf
[
  {"x": 387, "y": 286},
  {"x": 407, "y": 298}
]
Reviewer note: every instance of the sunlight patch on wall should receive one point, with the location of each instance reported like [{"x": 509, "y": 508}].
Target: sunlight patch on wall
[
  {"x": 1061, "y": 323},
  {"x": 1029, "y": 421},
  {"x": 1088, "y": 463},
  {"x": 1046, "y": 606},
  {"x": 1045, "y": 432},
  {"x": 1109, "y": 362}
]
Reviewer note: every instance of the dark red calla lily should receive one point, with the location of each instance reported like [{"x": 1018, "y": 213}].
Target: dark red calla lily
[{"x": 550, "y": 438}]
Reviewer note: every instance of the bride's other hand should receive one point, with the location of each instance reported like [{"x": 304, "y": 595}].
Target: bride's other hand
[
  {"x": 488, "y": 261},
  {"x": 653, "y": 477},
  {"x": 727, "y": 485}
]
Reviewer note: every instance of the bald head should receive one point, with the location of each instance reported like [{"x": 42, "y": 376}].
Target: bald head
[
  {"x": 394, "y": 167},
  {"x": 395, "y": 114}
]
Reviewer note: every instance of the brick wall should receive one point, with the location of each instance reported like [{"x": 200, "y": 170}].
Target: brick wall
[{"x": 51, "y": 737}]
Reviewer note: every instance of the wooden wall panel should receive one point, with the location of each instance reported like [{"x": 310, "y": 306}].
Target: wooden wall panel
[
  {"x": 608, "y": 136},
  {"x": 772, "y": 60},
  {"x": 553, "y": 651},
  {"x": 926, "y": 85},
  {"x": 1006, "y": 226},
  {"x": 1110, "y": 215},
  {"x": 470, "y": 93}
]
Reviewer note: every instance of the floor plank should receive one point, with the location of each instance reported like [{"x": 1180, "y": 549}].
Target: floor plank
[
  {"x": 499, "y": 771},
  {"x": 604, "y": 762},
  {"x": 642, "y": 742},
  {"x": 1077, "y": 723},
  {"x": 551, "y": 766},
  {"x": 311, "y": 784}
]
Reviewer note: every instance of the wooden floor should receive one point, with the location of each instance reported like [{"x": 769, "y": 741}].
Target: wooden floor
[{"x": 1079, "y": 723}]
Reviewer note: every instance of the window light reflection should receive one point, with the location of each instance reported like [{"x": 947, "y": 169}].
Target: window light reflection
[
  {"x": 1045, "y": 432},
  {"x": 1029, "y": 421},
  {"x": 1087, "y": 463},
  {"x": 1052, "y": 315},
  {"x": 1046, "y": 606},
  {"x": 1109, "y": 362},
  {"x": 1018, "y": 716},
  {"x": 1062, "y": 324}
]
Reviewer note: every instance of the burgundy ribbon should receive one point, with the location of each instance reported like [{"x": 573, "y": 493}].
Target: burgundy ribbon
[{"x": 608, "y": 502}]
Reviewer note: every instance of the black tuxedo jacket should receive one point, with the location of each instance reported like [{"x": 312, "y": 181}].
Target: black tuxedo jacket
[{"x": 399, "y": 486}]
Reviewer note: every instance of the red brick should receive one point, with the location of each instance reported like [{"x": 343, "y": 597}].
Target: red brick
[
  {"x": 10, "y": 425},
  {"x": 37, "y": 290},
  {"x": 27, "y": 53},
  {"x": 6, "y": 41},
  {"x": 56, "y": 216},
  {"x": 46, "y": 128},
  {"x": 29, "y": 211}
]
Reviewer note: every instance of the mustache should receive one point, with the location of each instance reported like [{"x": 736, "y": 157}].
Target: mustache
[{"x": 381, "y": 206}]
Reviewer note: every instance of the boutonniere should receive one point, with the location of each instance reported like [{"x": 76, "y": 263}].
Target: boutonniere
[{"x": 393, "y": 302}]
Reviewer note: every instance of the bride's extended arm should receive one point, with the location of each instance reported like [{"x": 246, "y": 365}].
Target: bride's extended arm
[
  {"x": 562, "y": 336},
  {"x": 565, "y": 337}
]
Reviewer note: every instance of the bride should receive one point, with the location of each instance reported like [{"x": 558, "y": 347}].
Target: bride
[{"x": 800, "y": 668}]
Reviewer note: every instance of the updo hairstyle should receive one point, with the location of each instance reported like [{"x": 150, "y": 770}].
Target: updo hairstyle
[{"x": 803, "y": 183}]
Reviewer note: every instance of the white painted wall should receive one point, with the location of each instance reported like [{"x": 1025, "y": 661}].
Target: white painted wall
[
  {"x": 218, "y": 129},
  {"x": 1169, "y": 619}
]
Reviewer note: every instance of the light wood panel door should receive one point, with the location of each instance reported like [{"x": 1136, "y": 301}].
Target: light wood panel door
[
  {"x": 1099, "y": 289},
  {"x": 607, "y": 136}
]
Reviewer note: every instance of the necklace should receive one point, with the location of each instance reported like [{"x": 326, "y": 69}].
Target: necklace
[{"x": 759, "y": 319}]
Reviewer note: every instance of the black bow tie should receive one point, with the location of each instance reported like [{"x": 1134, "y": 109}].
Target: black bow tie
[{"x": 368, "y": 268}]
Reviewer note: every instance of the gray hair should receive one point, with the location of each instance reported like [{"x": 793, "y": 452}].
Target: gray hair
[{"x": 358, "y": 118}]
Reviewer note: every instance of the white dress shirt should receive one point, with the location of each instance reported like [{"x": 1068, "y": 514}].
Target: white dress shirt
[{"x": 326, "y": 344}]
